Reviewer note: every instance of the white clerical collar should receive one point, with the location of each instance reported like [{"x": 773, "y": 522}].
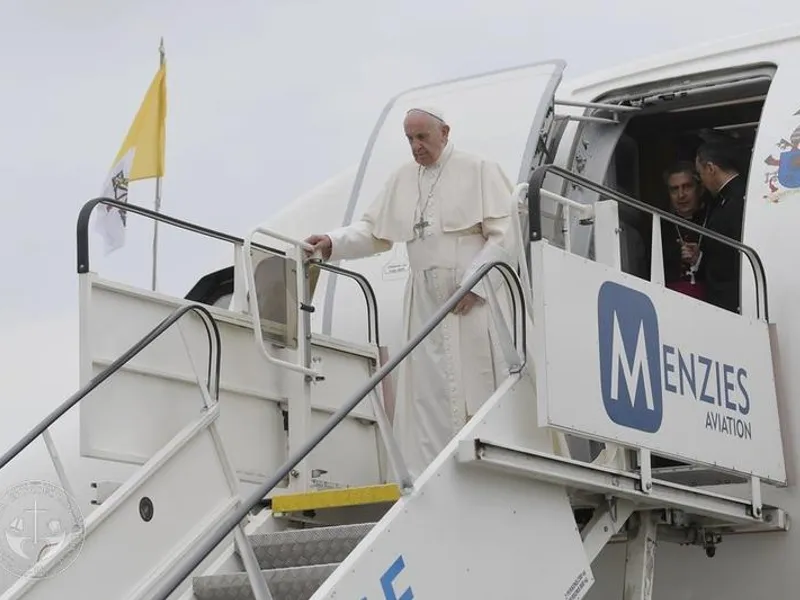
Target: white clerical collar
[{"x": 448, "y": 149}]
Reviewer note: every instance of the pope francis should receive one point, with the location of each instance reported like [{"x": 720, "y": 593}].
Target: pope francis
[{"x": 452, "y": 209}]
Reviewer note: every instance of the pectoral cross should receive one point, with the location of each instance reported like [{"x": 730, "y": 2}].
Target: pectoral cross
[{"x": 420, "y": 226}]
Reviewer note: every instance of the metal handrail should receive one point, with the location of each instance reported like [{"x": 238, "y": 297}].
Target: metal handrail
[
  {"x": 366, "y": 289},
  {"x": 83, "y": 249},
  {"x": 214, "y": 362},
  {"x": 86, "y": 212},
  {"x": 535, "y": 222},
  {"x": 207, "y": 544}
]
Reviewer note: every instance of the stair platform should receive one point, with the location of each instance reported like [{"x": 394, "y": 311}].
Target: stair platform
[
  {"x": 335, "y": 498},
  {"x": 691, "y": 507},
  {"x": 693, "y": 476}
]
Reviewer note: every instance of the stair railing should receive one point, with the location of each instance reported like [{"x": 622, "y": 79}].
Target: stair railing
[
  {"x": 212, "y": 382},
  {"x": 535, "y": 193},
  {"x": 303, "y": 307},
  {"x": 206, "y": 545},
  {"x": 246, "y": 552},
  {"x": 210, "y": 397},
  {"x": 85, "y": 215},
  {"x": 209, "y": 391}
]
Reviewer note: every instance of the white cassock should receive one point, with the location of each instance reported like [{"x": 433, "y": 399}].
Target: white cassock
[{"x": 465, "y": 204}]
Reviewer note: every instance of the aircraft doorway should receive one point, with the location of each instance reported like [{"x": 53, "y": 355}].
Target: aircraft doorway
[{"x": 655, "y": 140}]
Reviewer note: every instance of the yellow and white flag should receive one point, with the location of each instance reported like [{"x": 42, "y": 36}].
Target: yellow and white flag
[{"x": 140, "y": 157}]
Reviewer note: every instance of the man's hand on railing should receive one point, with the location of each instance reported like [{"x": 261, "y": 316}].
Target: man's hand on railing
[
  {"x": 467, "y": 303},
  {"x": 322, "y": 245}
]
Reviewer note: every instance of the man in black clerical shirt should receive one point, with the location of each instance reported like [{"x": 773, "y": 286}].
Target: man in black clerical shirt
[
  {"x": 687, "y": 200},
  {"x": 716, "y": 163}
]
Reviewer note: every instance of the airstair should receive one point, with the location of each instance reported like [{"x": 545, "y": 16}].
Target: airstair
[{"x": 514, "y": 505}]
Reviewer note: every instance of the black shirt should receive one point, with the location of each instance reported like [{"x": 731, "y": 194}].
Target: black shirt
[{"x": 721, "y": 264}]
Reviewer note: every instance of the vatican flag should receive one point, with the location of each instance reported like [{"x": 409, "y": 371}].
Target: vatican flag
[{"x": 140, "y": 157}]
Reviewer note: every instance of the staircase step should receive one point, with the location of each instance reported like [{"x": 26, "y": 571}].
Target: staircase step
[
  {"x": 295, "y": 583},
  {"x": 336, "y": 498},
  {"x": 696, "y": 476},
  {"x": 304, "y": 547}
]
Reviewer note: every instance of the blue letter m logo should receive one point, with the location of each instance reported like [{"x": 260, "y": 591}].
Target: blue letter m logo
[{"x": 630, "y": 350}]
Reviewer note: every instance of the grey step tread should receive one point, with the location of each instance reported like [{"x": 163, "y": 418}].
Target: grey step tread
[
  {"x": 295, "y": 583},
  {"x": 309, "y": 546},
  {"x": 695, "y": 476}
]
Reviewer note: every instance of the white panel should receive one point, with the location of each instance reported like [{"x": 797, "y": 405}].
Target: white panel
[
  {"x": 703, "y": 390},
  {"x": 189, "y": 494},
  {"x": 471, "y": 533},
  {"x": 343, "y": 374},
  {"x": 348, "y": 455},
  {"x": 136, "y": 411}
]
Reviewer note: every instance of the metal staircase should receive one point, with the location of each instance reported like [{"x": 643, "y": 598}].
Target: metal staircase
[
  {"x": 296, "y": 561},
  {"x": 196, "y": 450},
  {"x": 609, "y": 506},
  {"x": 499, "y": 477},
  {"x": 278, "y": 562}
]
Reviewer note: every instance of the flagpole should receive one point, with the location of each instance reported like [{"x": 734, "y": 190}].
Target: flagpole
[{"x": 158, "y": 192}]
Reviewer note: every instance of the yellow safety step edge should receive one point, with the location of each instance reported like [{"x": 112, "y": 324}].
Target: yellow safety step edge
[{"x": 336, "y": 498}]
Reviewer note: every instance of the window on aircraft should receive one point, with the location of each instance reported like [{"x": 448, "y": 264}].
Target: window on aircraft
[{"x": 275, "y": 292}]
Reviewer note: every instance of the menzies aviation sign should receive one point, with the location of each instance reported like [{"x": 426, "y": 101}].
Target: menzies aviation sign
[
  {"x": 636, "y": 369},
  {"x": 626, "y": 361}
]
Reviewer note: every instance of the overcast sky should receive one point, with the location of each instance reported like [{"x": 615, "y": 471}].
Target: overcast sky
[{"x": 266, "y": 99}]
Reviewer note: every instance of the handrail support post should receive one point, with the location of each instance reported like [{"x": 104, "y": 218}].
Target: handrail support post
[{"x": 300, "y": 404}]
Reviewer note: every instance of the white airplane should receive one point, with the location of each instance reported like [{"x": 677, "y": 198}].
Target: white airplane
[{"x": 697, "y": 505}]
